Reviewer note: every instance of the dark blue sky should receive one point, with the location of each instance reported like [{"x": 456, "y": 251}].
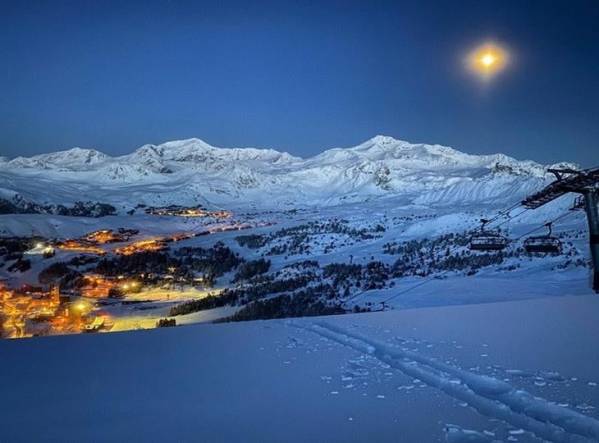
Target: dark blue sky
[{"x": 299, "y": 76}]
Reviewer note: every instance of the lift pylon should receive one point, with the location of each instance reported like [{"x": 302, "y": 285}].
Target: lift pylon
[
  {"x": 586, "y": 183},
  {"x": 591, "y": 199}
]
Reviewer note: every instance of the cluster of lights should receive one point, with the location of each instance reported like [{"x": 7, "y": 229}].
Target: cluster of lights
[
  {"x": 102, "y": 237},
  {"x": 81, "y": 307},
  {"x": 142, "y": 246},
  {"x": 26, "y": 314},
  {"x": 179, "y": 211},
  {"x": 80, "y": 246},
  {"x": 96, "y": 286},
  {"x": 44, "y": 248},
  {"x": 99, "y": 287},
  {"x": 130, "y": 286}
]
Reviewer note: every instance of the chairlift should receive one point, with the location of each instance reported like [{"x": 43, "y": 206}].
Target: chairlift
[
  {"x": 486, "y": 240},
  {"x": 543, "y": 244},
  {"x": 579, "y": 203}
]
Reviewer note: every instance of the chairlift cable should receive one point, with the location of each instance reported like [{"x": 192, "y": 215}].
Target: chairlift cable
[
  {"x": 564, "y": 215},
  {"x": 431, "y": 278},
  {"x": 353, "y": 297},
  {"x": 436, "y": 276},
  {"x": 513, "y": 217},
  {"x": 505, "y": 212}
]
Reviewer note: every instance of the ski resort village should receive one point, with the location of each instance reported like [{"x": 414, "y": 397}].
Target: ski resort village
[
  {"x": 357, "y": 273},
  {"x": 204, "y": 240},
  {"x": 378, "y": 232}
]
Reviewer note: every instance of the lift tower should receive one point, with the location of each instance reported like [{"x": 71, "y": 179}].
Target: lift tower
[{"x": 584, "y": 182}]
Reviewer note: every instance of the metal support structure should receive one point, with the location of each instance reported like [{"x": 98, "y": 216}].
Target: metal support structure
[
  {"x": 584, "y": 182},
  {"x": 591, "y": 199}
]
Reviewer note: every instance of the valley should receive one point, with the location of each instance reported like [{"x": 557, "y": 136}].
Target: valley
[
  {"x": 184, "y": 232},
  {"x": 336, "y": 252},
  {"x": 146, "y": 271}
]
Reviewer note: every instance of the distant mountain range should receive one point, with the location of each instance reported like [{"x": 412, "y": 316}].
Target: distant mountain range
[{"x": 191, "y": 172}]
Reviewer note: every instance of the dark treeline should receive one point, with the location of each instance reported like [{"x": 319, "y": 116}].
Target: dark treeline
[
  {"x": 62, "y": 274},
  {"x": 300, "y": 239},
  {"x": 252, "y": 241},
  {"x": 304, "y": 303},
  {"x": 79, "y": 209},
  {"x": 212, "y": 262},
  {"x": 252, "y": 268},
  {"x": 185, "y": 263},
  {"x": 258, "y": 288}
]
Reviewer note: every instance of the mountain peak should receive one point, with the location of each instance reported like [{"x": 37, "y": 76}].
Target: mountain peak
[
  {"x": 183, "y": 171},
  {"x": 187, "y": 142},
  {"x": 383, "y": 140},
  {"x": 67, "y": 159}
]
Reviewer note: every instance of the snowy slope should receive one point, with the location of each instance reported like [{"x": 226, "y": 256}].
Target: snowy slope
[
  {"x": 527, "y": 374},
  {"x": 191, "y": 172}
]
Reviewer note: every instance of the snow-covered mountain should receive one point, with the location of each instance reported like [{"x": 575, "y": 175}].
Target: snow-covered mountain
[{"x": 194, "y": 172}]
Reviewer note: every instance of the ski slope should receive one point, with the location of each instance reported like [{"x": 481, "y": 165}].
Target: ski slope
[{"x": 524, "y": 371}]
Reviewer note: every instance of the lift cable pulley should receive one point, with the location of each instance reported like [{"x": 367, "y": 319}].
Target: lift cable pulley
[{"x": 585, "y": 183}]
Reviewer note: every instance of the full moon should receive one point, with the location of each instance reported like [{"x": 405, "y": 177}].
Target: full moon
[{"x": 487, "y": 60}]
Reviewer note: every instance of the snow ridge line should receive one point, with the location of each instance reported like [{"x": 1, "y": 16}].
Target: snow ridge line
[{"x": 489, "y": 396}]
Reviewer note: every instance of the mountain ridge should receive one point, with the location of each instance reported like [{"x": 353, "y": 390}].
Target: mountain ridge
[{"x": 191, "y": 170}]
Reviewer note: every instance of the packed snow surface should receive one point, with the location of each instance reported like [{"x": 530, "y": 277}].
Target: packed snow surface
[{"x": 522, "y": 371}]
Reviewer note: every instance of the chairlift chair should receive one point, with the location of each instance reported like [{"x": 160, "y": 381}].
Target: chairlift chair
[
  {"x": 543, "y": 244},
  {"x": 578, "y": 204},
  {"x": 486, "y": 240}
]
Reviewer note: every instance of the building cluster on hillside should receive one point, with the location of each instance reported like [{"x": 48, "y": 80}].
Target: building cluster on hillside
[
  {"x": 33, "y": 311},
  {"x": 104, "y": 236},
  {"x": 81, "y": 246},
  {"x": 98, "y": 286},
  {"x": 147, "y": 245},
  {"x": 90, "y": 243},
  {"x": 188, "y": 211}
]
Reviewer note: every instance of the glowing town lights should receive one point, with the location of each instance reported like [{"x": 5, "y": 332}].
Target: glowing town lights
[
  {"x": 31, "y": 311},
  {"x": 80, "y": 246},
  {"x": 40, "y": 248},
  {"x": 130, "y": 286},
  {"x": 181, "y": 211},
  {"x": 148, "y": 245},
  {"x": 487, "y": 60}
]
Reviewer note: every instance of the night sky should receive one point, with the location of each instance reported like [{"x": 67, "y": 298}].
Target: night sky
[{"x": 299, "y": 76}]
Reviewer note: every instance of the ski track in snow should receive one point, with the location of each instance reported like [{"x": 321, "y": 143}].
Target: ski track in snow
[{"x": 489, "y": 396}]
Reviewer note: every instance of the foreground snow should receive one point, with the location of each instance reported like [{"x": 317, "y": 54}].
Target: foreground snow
[{"x": 514, "y": 371}]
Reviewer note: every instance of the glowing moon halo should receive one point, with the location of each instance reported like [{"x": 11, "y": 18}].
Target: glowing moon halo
[{"x": 487, "y": 60}]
